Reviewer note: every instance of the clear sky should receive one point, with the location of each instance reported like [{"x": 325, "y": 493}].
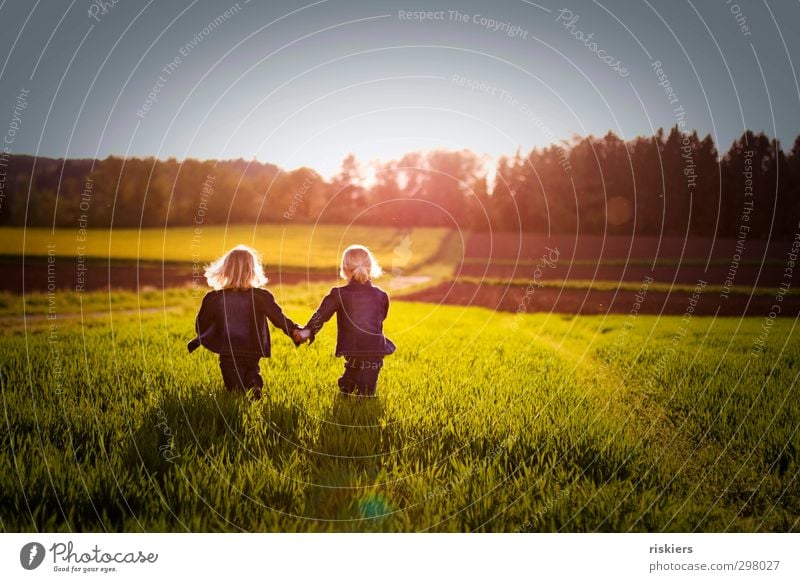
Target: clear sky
[{"x": 298, "y": 83}]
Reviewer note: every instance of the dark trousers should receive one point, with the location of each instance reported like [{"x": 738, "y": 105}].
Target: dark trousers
[
  {"x": 240, "y": 372},
  {"x": 360, "y": 376}
]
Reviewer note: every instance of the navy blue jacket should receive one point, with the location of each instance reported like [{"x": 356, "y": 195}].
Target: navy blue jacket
[
  {"x": 235, "y": 322},
  {"x": 360, "y": 309}
]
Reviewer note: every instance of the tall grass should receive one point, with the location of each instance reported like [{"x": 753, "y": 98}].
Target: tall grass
[{"x": 484, "y": 422}]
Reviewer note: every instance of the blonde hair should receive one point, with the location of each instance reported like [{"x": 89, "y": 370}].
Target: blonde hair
[
  {"x": 239, "y": 268},
  {"x": 359, "y": 264}
]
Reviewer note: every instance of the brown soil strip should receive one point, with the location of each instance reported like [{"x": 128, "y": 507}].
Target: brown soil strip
[
  {"x": 594, "y": 302},
  {"x": 98, "y": 276}
]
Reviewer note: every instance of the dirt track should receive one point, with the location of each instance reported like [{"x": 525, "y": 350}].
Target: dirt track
[
  {"x": 586, "y": 301},
  {"x": 527, "y": 246},
  {"x": 99, "y": 276},
  {"x": 747, "y": 274}
]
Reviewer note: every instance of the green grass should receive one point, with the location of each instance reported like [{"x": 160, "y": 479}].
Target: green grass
[
  {"x": 293, "y": 246},
  {"x": 485, "y": 422}
]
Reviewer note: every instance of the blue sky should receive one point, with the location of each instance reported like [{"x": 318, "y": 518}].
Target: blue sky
[{"x": 298, "y": 83}]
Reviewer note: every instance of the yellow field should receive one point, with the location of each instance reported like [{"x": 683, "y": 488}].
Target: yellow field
[{"x": 290, "y": 246}]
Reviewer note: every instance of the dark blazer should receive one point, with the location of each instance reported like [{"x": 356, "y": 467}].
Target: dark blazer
[
  {"x": 235, "y": 322},
  {"x": 360, "y": 309}
]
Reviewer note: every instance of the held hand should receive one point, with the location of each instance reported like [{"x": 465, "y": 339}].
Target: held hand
[{"x": 300, "y": 335}]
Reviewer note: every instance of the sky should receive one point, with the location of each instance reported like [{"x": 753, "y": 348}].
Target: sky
[{"x": 306, "y": 84}]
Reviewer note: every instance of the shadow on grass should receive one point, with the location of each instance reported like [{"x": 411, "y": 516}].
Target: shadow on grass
[
  {"x": 195, "y": 424},
  {"x": 345, "y": 489}
]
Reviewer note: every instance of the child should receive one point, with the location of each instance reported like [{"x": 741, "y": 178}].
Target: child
[
  {"x": 232, "y": 320},
  {"x": 360, "y": 309}
]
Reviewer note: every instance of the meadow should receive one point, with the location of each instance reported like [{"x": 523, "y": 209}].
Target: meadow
[{"x": 485, "y": 421}]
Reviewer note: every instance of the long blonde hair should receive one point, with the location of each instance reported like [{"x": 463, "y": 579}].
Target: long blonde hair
[
  {"x": 359, "y": 264},
  {"x": 239, "y": 268}
]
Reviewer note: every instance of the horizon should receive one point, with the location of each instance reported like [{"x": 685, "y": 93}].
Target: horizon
[
  {"x": 304, "y": 86},
  {"x": 368, "y": 166}
]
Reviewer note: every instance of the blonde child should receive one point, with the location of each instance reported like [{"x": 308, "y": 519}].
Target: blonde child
[
  {"x": 360, "y": 309},
  {"x": 232, "y": 320}
]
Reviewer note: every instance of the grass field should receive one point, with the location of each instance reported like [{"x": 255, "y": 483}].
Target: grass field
[
  {"x": 485, "y": 422},
  {"x": 293, "y": 246}
]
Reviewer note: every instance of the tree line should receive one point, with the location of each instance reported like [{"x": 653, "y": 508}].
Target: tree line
[{"x": 671, "y": 183}]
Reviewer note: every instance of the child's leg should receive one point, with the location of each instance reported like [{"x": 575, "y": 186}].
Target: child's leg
[
  {"x": 348, "y": 381},
  {"x": 360, "y": 376},
  {"x": 251, "y": 374},
  {"x": 240, "y": 372},
  {"x": 368, "y": 376},
  {"x": 230, "y": 375}
]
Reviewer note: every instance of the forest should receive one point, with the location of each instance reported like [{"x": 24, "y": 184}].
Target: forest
[{"x": 671, "y": 183}]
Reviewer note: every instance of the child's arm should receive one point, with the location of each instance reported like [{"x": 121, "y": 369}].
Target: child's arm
[
  {"x": 385, "y": 306},
  {"x": 278, "y": 318},
  {"x": 203, "y": 322},
  {"x": 326, "y": 309}
]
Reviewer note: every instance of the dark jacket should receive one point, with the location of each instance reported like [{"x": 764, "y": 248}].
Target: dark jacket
[
  {"x": 360, "y": 309},
  {"x": 235, "y": 322}
]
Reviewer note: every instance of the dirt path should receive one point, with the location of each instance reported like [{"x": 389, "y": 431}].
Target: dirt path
[
  {"x": 595, "y": 302},
  {"x": 101, "y": 276},
  {"x": 404, "y": 282}
]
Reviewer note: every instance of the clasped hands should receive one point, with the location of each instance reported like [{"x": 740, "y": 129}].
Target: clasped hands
[{"x": 300, "y": 335}]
